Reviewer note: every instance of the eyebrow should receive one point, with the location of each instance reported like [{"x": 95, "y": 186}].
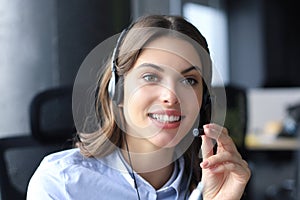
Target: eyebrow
[
  {"x": 151, "y": 65},
  {"x": 190, "y": 69},
  {"x": 161, "y": 69}
]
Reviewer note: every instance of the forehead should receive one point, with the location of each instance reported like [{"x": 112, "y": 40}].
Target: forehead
[{"x": 178, "y": 48}]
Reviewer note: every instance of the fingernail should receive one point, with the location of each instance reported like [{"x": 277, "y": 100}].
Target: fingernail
[
  {"x": 204, "y": 164},
  {"x": 206, "y": 126}
]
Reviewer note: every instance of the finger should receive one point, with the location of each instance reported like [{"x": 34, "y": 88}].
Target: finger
[
  {"x": 221, "y": 158},
  {"x": 207, "y": 147},
  {"x": 241, "y": 170},
  {"x": 220, "y": 134}
]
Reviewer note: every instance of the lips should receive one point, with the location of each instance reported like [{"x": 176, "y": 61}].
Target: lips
[{"x": 167, "y": 119}]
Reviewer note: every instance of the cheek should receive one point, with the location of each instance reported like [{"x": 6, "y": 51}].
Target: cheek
[
  {"x": 190, "y": 99},
  {"x": 191, "y": 105},
  {"x": 132, "y": 105},
  {"x": 136, "y": 105}
]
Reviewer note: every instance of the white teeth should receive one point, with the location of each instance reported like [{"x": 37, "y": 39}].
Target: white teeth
[{"x": 165, "y": 118}]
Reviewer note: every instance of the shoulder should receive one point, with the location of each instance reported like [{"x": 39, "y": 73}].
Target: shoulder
[
  {"x": 63, "y": 158},
  {"x": 69, "y": 160},
  {"x": 56, "y": 171},
  {"x": 60, "y": 164}
]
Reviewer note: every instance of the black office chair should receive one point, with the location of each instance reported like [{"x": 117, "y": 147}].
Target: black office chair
[
  {"x": 52, "y": 130},
  {"x": 236, "y": 119},
  {"x": 51, "y": 116},
  {"x": 236, "y": 113}
]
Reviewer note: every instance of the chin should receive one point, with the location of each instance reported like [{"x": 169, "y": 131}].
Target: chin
[{"x": 166, "y": 140}]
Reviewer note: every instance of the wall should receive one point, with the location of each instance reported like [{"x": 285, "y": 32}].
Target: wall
[
  {"x": 246, "y": 43},
  {"x": 282, "y": 43},
  {"x": 81, "y": 26},
  {"x": 28, "y": 59},
  {"x": 142, "y": 7},
  {"x": 264, "y": 43},
  {"x": 42, "y": 45}
]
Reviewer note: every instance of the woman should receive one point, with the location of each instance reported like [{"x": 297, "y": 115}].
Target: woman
[{"x": 152, "y": 102}]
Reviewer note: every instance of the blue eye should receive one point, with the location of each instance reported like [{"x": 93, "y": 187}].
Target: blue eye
[
  {"x": 151, "y": 77},
  {"x": 189, "y": 81}
]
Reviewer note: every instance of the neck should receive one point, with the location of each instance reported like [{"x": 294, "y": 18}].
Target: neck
[
  {"x": 159, "y": 178},
  {"x": 154, "y": 164}
]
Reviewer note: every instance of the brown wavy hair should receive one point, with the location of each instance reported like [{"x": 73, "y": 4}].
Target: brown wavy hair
[{"x": 109, "y": 136}]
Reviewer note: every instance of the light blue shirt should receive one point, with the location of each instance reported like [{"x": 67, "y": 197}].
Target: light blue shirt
[{"x": 67, "y": 175}]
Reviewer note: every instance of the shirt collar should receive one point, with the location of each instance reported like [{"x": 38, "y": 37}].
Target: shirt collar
[{"x": 177, "y": 179}]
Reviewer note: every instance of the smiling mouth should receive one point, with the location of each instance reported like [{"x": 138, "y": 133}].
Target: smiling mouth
[{"x": 163, "y": 118}]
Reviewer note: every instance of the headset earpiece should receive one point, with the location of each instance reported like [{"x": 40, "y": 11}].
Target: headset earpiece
[
  {"x": 114, "y": 76},
  {"x": 112, "y": 84},
  {"x": 206, "y": 107}
]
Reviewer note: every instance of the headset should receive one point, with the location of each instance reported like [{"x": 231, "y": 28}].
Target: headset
[{"x": 114, "y": 76}]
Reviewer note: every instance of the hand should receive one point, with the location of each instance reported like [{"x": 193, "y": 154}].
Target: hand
[{"x": 224, "y": 174}]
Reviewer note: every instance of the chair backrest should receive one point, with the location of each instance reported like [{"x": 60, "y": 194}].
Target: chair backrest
[
  {"x": 51, "y": 116},
  {"x": 52, "y": 130},
  {"x": 236, "y": 113},
  {"x": 19, "y": 157}
]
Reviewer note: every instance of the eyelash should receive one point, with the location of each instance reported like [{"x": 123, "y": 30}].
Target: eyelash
[
  {"x": 151, "y": 77},
  {"x": 189, "y": 81}
]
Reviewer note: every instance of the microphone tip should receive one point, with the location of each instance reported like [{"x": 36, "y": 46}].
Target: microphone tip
[
  {"x": 198, "y": 132},
  {"x": 195, "y": 132}
]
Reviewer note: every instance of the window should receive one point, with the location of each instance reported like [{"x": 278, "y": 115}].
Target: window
[{"x": 212, "y": 23}]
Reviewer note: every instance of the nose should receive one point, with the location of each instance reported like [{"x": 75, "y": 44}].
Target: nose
[{"x": 168, "y": 96}]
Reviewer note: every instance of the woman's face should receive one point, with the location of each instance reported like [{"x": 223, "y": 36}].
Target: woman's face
[{"x": 163, "y": 93}]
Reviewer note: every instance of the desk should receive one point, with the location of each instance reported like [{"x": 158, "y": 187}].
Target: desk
[
  {"x": 273, "y": 160},
  {"x": 269, "y": 142}
]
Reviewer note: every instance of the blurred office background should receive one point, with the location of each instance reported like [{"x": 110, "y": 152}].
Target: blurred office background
[{"x": 254, "y": 45}]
